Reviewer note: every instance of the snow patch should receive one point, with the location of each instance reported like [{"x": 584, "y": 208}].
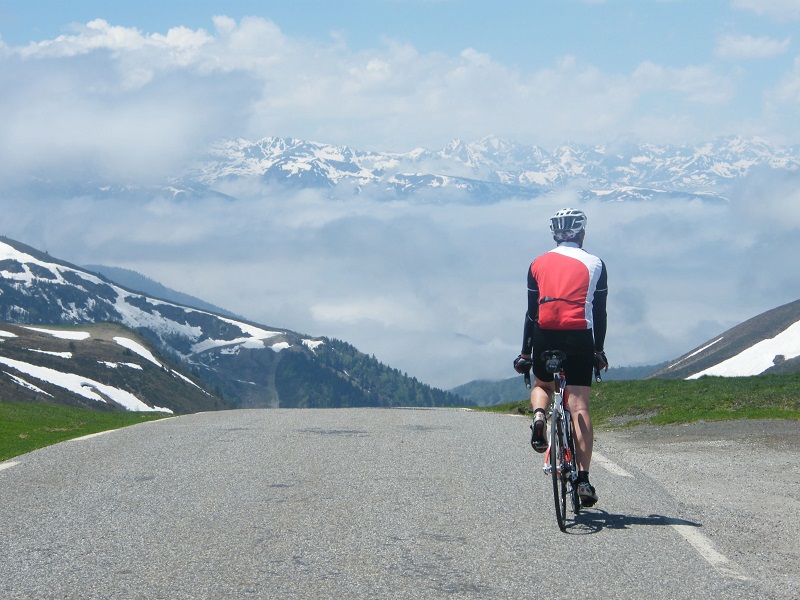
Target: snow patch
[
  {"x": 758, "y": 358},
  {"x": 695, "y": 353},
  {"x": 137, "y": 348},
  {"x": 113, "y": 365},
  {"x": 189, "y": 381},
  {"x": 64, "y": 335},
  {"x": 83, "y": 386},
  {"x": 20, "y": 381},
  {"x": 312, "y": 344},
  {"x": 58, "y": 354},
  {"x": 243, "y": 342}
]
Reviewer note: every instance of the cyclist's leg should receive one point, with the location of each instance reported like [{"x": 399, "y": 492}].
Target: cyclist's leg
[
  {"x": 539, "y": 400},
  {"x": 541, "y": 393},
  {"x": 578, "y": 367},
  {"x": 582, "y": 424}
]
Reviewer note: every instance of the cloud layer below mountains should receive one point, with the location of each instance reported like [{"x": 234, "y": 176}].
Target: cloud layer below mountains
[{"x": 439, "y": 290}]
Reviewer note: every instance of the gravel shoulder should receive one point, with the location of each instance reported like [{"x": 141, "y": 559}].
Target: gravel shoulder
[{"x": 739, "y": 479}]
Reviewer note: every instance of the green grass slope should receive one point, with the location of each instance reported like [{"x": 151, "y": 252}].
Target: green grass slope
[
  {"x": 661, "y": 401},
  {"x": 27, "y": 426}
]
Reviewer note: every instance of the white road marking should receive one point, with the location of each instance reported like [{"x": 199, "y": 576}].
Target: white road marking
[
  {"x": 609, "y": 466},
  {"x": 706, "y": 549},
  {"x": 90, "y": 436},
  {"x": 700, "y": 542},
  {"x": 8, "y": 465}
]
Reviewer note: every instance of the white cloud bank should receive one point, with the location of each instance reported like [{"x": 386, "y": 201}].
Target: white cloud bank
[
  {"x": 141, "y": 105},
  {"x": 438, "y": 291}
]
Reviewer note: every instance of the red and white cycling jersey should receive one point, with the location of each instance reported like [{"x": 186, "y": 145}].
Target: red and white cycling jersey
[{"x": 566, "y": 280}]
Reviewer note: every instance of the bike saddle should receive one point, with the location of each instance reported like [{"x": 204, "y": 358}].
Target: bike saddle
[{"x": 552, "y": 360}]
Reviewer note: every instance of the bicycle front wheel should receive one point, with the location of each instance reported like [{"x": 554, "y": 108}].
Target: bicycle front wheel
[{"x": 557, "y": 471}]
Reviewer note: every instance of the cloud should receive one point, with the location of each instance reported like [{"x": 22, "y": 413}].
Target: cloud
[
  {"x": 787, "y": 92},
  {"x": 697, "y": 84},
  {"x": 736, "y": 47},
  {"x": 139, "y": 105},
  {"x": 784, "y": 10},
  {"x": 438, "y": 291}
]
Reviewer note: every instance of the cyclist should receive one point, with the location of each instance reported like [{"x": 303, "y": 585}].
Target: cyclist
[{"x": 567, "y": 291}]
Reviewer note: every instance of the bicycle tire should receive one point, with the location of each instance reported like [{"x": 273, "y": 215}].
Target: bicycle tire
[
  {"x": 557, "y": 473},
  {"x": 572, "y": 469}
]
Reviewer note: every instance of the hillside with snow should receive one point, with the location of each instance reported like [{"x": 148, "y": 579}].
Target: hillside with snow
[
  {"x": 248, "y": 364},
  {"x": 767, "y": 343},
  {"x": 100, "y": 367}
]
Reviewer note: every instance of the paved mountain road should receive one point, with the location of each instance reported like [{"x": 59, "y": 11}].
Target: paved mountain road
[{"x": 374, "y": 503}]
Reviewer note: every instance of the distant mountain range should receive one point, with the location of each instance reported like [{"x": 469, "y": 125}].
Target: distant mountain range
[
  {"x": 492, "y": 169},
  {"x": 245, "y": 364},
  {"x": 483, "y": 171}
]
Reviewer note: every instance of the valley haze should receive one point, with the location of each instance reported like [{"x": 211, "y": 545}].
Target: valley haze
[{"x": 113, "y": 118}]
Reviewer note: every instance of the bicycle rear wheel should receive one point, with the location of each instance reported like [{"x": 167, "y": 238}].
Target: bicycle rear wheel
[
  {"x": 557, "y": 471},
  {"x": 571, "y": 466}
]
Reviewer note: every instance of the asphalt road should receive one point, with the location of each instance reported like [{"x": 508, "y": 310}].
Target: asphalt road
[{"x": 375, "y": 503}]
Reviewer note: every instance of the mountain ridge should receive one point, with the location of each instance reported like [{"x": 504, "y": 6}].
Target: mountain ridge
[
  {"x": 766, "y": 343},
  {"x": 491, "y": 168},
  {"x": 250, "y": 364},
  {"x": 483, "y": 171}
]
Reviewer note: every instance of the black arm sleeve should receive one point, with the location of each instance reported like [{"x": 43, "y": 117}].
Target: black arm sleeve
[
  {"x": 531, "y": 315},
  {"x": 599, "y": 315}
]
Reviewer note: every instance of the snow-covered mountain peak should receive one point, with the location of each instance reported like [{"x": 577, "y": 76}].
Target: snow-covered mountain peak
[{"x": 492, "y": 169}]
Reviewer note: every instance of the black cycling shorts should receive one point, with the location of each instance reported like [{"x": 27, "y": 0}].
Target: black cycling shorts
[{"x": 577, "y": 345}]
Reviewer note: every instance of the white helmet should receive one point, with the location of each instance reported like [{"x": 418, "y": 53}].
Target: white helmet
[{"x": 567, "y": 224}]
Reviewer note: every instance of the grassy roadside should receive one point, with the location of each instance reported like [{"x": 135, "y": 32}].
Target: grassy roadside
[
  {"x": 662, "y": 401},
  {"x": 26, "y": 426}
]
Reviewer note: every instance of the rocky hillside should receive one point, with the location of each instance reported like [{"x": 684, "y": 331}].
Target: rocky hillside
[{"x": 101, "y": 367}]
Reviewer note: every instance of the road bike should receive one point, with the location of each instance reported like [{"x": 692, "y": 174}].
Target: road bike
[{"x": 560, "y": 461}]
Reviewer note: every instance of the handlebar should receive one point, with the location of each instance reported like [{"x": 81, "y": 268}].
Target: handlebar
[{"x": 527, "y": 374}]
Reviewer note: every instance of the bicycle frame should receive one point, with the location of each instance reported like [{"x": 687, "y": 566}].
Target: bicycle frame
[
  {"x": 562, "y": 458},
  {"x": 560, "y": 415}
]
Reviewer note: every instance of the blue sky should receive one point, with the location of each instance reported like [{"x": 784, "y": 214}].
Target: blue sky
[
  {"x": 541, "y": 71},
  {"x": 136, "y": 91}
]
